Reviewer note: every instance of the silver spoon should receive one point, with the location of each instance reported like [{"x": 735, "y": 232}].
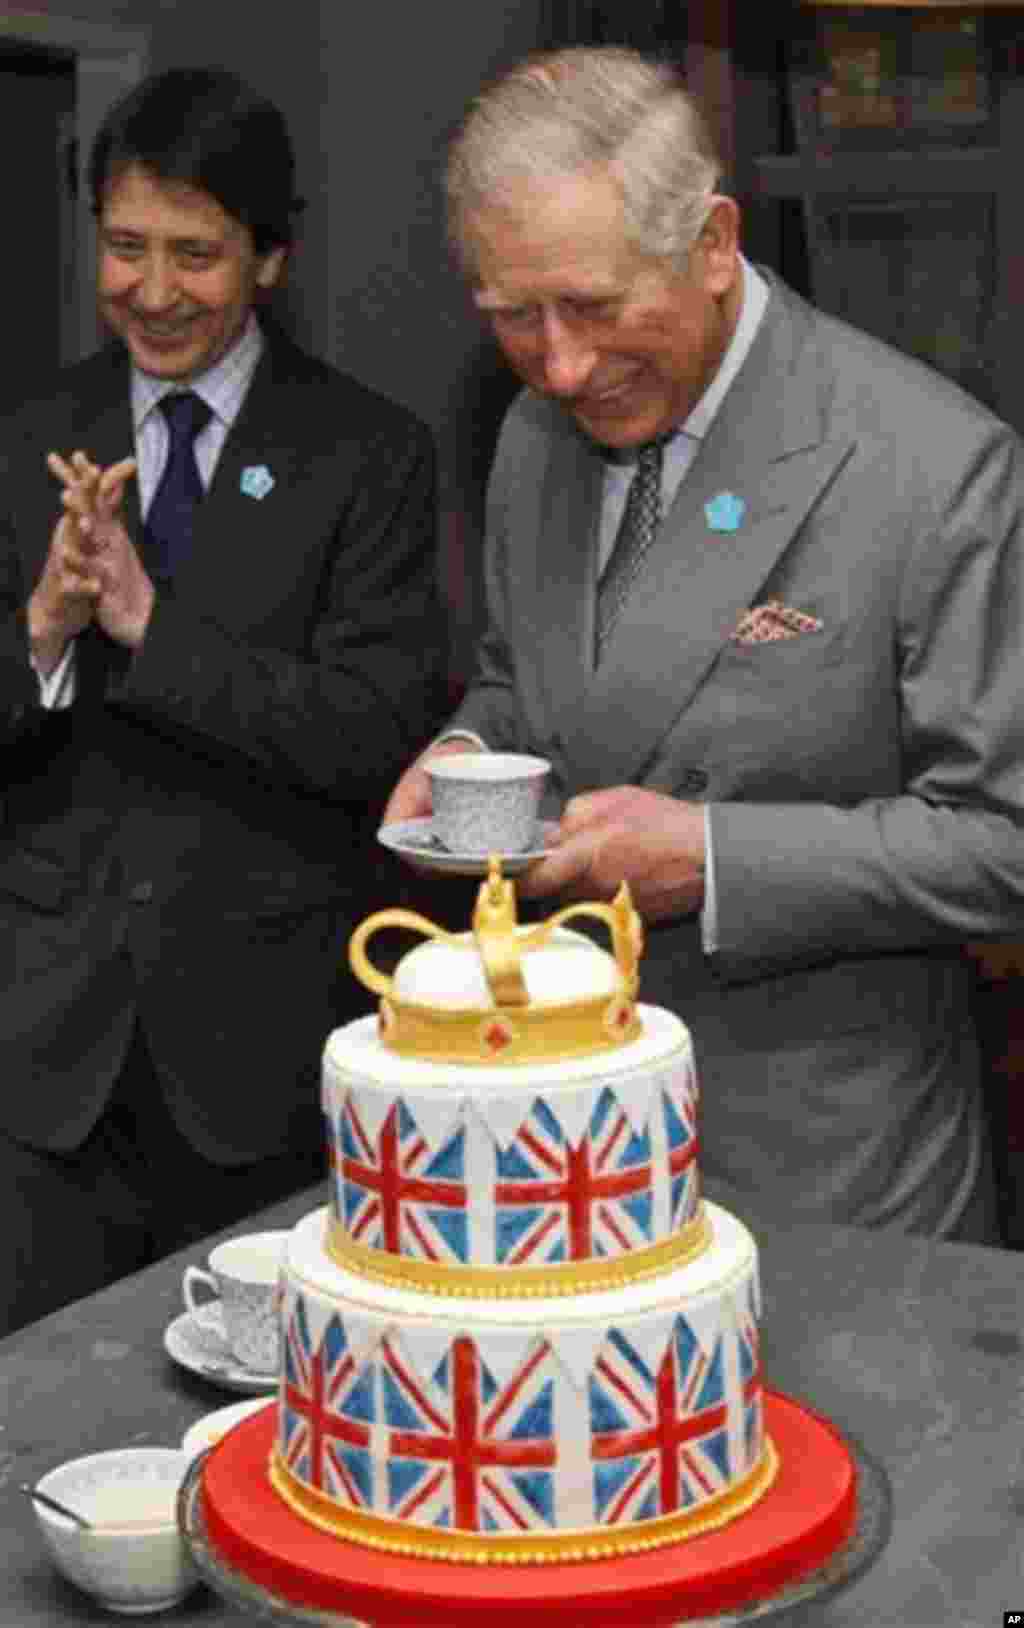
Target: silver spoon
[
  {"x": 54, "y": 1504},
  {"x": 145, "y": 1524}
]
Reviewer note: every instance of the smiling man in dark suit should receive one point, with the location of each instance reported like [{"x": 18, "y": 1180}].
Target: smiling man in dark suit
[{"x": 209, "y": 675}]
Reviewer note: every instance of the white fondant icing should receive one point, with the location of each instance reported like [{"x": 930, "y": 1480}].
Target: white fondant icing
[
  {"x": 637, "y": 1096},
  {"x": 354, "y": 1056},
  {"x": 566, "y": 967},
  {"x": 734, "y": 1387},
  {"x": 661, "y": 1188},
  {"x": 504, "y": 1115},
  {"x": 577, "y": 1352},
  {"x": 379, "y": 1443},
  {"x": 574, "y": 1487},
  {"x": 481, "y": 1211}
]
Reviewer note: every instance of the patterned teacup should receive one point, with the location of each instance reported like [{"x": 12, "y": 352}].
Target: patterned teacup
[
  {"x": 244, "y": 1273},
  {"x": 486, "y": 802}
]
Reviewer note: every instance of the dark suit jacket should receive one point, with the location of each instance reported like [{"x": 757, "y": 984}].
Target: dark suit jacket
[
  {"x": 865, "y": 779},
  {"x": 192, "y": 840}
]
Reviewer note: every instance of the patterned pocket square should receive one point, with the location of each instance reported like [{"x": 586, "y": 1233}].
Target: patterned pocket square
[{"x": 773, "y": 620}]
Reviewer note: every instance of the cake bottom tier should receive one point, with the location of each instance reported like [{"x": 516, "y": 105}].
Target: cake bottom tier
[
  {"x": 522, "y": 1430},
  {"x": 265, "y": 1557}
]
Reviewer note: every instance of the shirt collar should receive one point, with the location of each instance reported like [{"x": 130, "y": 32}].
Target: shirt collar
[
  {"x": 752, "y": 310},
  {"x": 221, "y": 386}
]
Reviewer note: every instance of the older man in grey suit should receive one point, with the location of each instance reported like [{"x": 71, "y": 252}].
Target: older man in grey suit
[{"x": 755, "y": 588}]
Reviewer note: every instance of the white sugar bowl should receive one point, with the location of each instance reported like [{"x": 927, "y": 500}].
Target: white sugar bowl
[{"x": 134, "y": 1558}]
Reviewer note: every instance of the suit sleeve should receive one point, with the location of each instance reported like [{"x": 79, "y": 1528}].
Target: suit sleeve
[
  {"x": 943, "y": 861},
  {"x": 22, "y": 715},
  {"x": 491, "y": 706},
  {"x": 342, "y": 717}
]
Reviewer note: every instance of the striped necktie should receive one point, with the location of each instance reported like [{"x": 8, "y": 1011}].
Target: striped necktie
[{"x": 637, "y": 531}]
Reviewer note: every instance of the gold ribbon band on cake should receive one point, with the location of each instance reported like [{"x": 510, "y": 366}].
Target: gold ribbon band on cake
[
  {"x": 513, "y": 1029},
  {"x": 526, "y": 1549},
  {"x": 503, "y": 1282}
]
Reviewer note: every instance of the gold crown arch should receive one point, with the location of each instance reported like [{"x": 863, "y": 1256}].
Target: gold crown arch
[{"x": 513, "y": 1029}]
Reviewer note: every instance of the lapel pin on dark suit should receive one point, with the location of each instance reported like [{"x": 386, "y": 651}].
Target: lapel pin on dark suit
[
  {"x": 256, "y": 481},
  {"x": 725, "y": 512}
]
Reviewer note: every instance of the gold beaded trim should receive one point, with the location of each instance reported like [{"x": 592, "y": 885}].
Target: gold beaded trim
[
  {"x": 528, "y": 1549},
  {"x": 509, "y": 1282}
]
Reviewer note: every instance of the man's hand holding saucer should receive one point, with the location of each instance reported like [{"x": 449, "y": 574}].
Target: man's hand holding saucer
[{"x": 626, "y": 833}]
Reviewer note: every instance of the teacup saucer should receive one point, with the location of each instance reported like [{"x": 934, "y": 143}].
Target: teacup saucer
[
  {"x": 415, "y": 840},
  {"x": 198, "y": 1342}
]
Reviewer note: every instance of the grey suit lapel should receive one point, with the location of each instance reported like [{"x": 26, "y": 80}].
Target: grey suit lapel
[
  {"x": 563, "y": 592},
  {"x": 765, "y": 447}
]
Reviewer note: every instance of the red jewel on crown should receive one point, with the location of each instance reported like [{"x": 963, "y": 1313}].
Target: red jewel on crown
[
  {"x": 618, "y": 1016},
  {"x": 497, "y": 1036}
]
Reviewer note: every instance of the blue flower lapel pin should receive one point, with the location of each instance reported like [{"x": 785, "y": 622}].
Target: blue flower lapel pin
[
  {"x": 257, "y": 481},
  {"x": 725, "y": 512}
]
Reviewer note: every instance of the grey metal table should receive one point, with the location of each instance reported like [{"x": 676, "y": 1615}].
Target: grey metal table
[{"x": 914, "y": 1348}]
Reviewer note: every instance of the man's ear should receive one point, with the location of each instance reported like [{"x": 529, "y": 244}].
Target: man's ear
[
  {"x": 716, "y": 251},
  {"x": 271, "y": 266}
]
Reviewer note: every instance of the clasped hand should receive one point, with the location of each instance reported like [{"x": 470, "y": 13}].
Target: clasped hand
[{"x": 92, "y": 570}]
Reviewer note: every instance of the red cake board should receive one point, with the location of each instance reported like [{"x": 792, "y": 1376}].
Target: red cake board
[{"x": 807, "y": 1514}]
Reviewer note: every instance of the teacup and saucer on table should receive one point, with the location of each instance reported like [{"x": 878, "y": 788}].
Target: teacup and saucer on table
[
  {"x": 484, "y": 803},
  {"x": 233, "y": 1337}
]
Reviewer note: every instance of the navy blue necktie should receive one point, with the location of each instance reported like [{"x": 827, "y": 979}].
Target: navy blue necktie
[{"x": 173, "y": 508}]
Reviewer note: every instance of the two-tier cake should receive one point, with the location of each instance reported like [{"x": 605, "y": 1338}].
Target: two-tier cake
[{"x": 517, "y": 1339}]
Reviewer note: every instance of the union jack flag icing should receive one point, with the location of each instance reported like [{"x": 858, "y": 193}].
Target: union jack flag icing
[
  {"x": 679, "y": 1104},
  {"x": 398, "y": 1195},
  {"x": 326, "y": 1412},
  {"x": 750, "y": 1378},
  {"x": 554, "y": 1202},
  {"x": 660, "y": 1441},
  {"x": 468, "y": 1452}
]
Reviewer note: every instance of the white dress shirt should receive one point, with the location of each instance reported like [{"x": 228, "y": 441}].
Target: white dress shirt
[
  {"x": 223, "y": 388},
  {"x": 680, "y": 452}
]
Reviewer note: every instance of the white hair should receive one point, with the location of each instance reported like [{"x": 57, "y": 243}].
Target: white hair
[{"x": 562, "y": 113}]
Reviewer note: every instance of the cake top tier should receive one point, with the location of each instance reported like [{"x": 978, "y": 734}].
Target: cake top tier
[{"x": 504, "y": 993}]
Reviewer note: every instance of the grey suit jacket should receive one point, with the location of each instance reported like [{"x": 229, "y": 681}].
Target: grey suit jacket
[{"x": 865, "y": 781}]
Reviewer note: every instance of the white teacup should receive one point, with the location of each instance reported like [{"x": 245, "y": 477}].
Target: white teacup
[
  {"x": 244, "y": 1274},
  {"x": 486, "y": 802}
]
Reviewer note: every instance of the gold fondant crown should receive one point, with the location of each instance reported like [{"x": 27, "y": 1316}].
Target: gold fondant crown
[{"x": 511, "y": 1027}]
